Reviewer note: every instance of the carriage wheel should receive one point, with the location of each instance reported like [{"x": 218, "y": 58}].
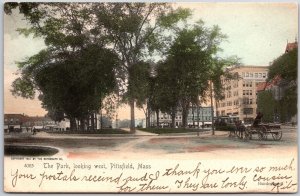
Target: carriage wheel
[
  {"x": 277, "y": 136},
  {"x": 262, "y": 133}
]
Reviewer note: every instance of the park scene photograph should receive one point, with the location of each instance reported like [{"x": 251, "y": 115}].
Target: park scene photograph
[{"x": 166, "y": 81}]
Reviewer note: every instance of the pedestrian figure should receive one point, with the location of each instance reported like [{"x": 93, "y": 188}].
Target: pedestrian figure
[
  {"x": 34, "y": 131},
  {"x": 257, "y": 120}
]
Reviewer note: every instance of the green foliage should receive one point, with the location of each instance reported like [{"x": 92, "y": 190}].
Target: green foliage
[
  {"x": 74, "y": 86},
  {"x": 266, "y": 104},
  {"x": 98, "y": 132},
  {"x": 139, "y": 76},
  {"x": 79, "y": 69},
  {"x": 169, "y": 130},
  {"x": 286, "y": 66},
  {"x": 289, "y": 105},
  {"x": 225, "y": 128},
  {"x": 23, "y": 87},
  {"x": 169, "y": 20}
]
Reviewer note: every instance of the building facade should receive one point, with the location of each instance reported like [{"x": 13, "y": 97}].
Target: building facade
[
  {"x": 240, "y": 94},
  {"x": 199, "y": 116},
  {"x": 14, "y": 121},
  {"x": 21, "y": 122},
  {"x": 196, "y": 116}
]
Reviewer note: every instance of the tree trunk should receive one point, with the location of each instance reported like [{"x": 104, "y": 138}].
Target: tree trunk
[
  {"x": 93, "y": 121},
  {"x": 101, "y": 120},
  {"x": 148, "y": 118},
  {"x": 73, "y": 125},
  {"x": 193, "y": 116},
  {"x": 82, "y": 127},
  {"x": 173, "y": 115},
  {"x": 217, "y": 113},
  {"x": 157, "y": 118},
  {"x": 198, "y": 119},
  {"x": 148, "y": 115},
  {"x": 132, "y": 118},
  {"x": 184, "y": 116},
  {"x": 87, "y": 122},
  {"x": 212, "y": 109}
]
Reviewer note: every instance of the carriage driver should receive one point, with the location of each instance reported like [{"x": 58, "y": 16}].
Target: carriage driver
[{"x": 257, "y": 120}]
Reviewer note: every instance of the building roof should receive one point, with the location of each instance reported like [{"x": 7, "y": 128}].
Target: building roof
[
  {"x": 25, "y": 118},
  {"x": 291, "y": 46},
  {"x": 18, "y": 116},
  {"x": 261, "y": 86},
  {"x": 268, "y": 85},
  {"x": 240, "y": 68}
]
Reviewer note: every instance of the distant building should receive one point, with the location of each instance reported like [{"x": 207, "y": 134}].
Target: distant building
[
  {"x": 201, "y": 115},
  {"x": 21, "y": 122},
  {"x": 291, "y": 46},
  {"x": 240, "y": 95},
  {"x": 165, "y": 119},
  {"x": 195, "y": 115},
  {"x": 140, "y": 123},
  {"x": 14, "y": 121}
]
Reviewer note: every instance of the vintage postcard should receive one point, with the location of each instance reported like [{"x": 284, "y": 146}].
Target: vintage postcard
[{"x": 149, "y": 97}]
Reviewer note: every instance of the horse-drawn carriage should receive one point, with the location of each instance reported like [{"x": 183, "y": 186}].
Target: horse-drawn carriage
[{"x": 261, "y": 130}]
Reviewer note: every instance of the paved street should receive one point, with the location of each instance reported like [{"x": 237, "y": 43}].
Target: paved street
[{"x": 176, "y": 146}]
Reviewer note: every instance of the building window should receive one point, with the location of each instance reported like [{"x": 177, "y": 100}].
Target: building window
[
  {"x": 247, "y": 74},
  {"x": 260, "y": 75},
  {"x": 264, "y": 75},
  {"x": 248, "y": 111},
  {"x": 251, "y": 75},
  {"x": 256, "y": 75}
]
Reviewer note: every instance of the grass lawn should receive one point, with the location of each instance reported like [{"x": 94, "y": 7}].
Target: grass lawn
[
  {"x": 69, "y": 142},
  {"x": 169, "y": 130},
  {"x": 29, "y": 150},
  {"x": 103, "y": 131}
]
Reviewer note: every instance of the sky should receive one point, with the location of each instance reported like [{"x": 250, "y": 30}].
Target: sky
[{"x": 257, "y": 33}]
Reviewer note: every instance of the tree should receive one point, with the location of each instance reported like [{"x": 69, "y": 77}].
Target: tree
[
  {"x": 75, "y": 86},
  {"x": 75, "y": 72},
  {"x": 220, "y": 69},
  {"x": 139, "y": 84},
  {"x": 135, "y": 30},
  {"x": 286, "y": 67},
  {"x": 193, "y": 59},
  {"x": 266, "y": 104},
  {"x": 166, "y": 91}
]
